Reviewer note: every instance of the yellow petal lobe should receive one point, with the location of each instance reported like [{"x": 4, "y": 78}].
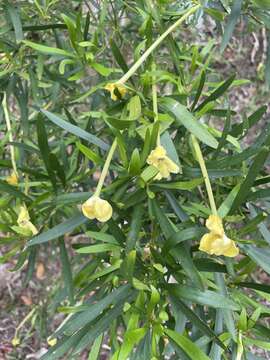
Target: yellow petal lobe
[
  {"x": 24, "y": 221},
  {"x": 111, "y": 87},
  {"x": 12, "y": 179},
  {"x": 97, "y": 208},
  {"x": 103, "y": 210},
  {"x": 158, "y": 158},
  {"x": 216, "y": 242},
  {"x": 52, "y": 341}
]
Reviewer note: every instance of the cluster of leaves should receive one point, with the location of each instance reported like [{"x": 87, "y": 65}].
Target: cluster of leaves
[{"x": 139, "y": 276}]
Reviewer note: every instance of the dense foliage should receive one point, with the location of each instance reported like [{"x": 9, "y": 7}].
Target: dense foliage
[{"x": 78, "y": 120}]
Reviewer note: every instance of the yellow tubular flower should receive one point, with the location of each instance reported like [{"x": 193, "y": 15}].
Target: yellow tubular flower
[
  {"x": 111, "y": 87},
  {"x": 162, "y": 162},
  {"x": 216, "y": 242},
  {"x": 15, "y": 341},
  {"x": 12, "y": 179},
  {"x": 24, "y": 221},
  {"x": 51, "y": 341},
  {"x": 97, "y": 208}
]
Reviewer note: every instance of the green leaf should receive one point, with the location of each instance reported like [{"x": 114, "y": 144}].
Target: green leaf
[
  {"x": 79, "y": 320},
  {"x": 199, "y": 90},
  {"x": 185, "y": 118},
  {"x": 45, "y": 150},
  {"x": 66, "y": 270},
  {"x": 191, "y": 349},
  {"x": 101, "y": 69},
  {"x": 183, "y": 235},
  {"x": 198, "y": 322},
  {"x": 95, "y": 249},
  {"x": 259, "y": 255},
  {"x": 98, "y": 235},
  {"x": 135, "y": 162},
  {"x": 216, "y": 93},
  {"x": 254, "y": 170},
  {"x": 75, "y": 130},
  {"x": 12, "y": 190},
  {"x": 206, "y": 297},
  {"x": 182, "y": 254},
  {"x": 59, "y": 230},
  {"x": 255, "y": 286},
  {"x": 118, "y": 56},
  {"x": 167, "y": 143},
  {"x": 135, "y": 227},
  {"x": 232, "y": 20},
  {"x": 48, "y": 50},
  {"x": 90, "y": 154},
  {"x": 14, "y": 15},
  {"x": 96, "y": 348},
  {"x": 131, "y": 338},
  {"x": 149, "y": 173},
  {"x": 180, "y": 185},
  {"x": 175, "y": 205},
  {"x": 226, "y": 205},
  {"x": 237, "y": 129},
  {"x": 134, "y": 108}
]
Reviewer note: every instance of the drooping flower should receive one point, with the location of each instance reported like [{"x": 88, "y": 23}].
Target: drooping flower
[
  {"x": 111, "y": 87},
  {"x": 24, "y": 221},
  {"x": 15, "y": 341},
  {"x": 158, "y": 158},
  {"x": 216, "y": 242},
  {"x": 97, "y": 208},
  {"x": 51, "y": 341},
  {"x": 12, "y": 179}
]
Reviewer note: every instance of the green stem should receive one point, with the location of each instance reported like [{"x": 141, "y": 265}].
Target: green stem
[
  {"x": 9, "y": 129},
  {"x": 154, "y": 99},
  {"x": 105, "y": 168},
  {"x": 139, "y": 62},
  {"x": 205, "y": 174}
]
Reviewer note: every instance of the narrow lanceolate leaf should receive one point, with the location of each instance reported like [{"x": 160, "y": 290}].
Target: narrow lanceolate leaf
[
  {"x": 45, "y": 150},
  {"x": 12, "y": 190},
  {"x": 232, "y": 20},
  {"x": 259, "y": 255},
  {"x": 135, "y": 227},
  {"x": 14, "y": 15},
  {"x": 191, "y": 349},
  {"x": 199, "y": 90},
  {"x": 207, "y": 297},
  {"x": 75, "y": 130},
  {"x": 48, "y": 50},
  {"x": 66, "y": 270},
  {"x": 118, "y": 56},
  {"x": 59, "y": 230},
  {"x": 77, "y": 321},
  {"x": 185, "y": 118},
  {"x": 181, "y": 253},
  {"x": 217, "y": 93},
  {"x": 254, "y": 170},
  {"x": 198, "y": 322},
  {"x": 255, "y": 286}
]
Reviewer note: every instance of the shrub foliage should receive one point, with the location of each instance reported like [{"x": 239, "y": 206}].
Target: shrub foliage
[{"x": 114, "y": 106}]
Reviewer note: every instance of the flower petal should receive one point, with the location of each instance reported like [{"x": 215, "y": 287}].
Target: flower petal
[
  {"x": 232, "y": 250},
  {"x": 214, "y": 224},
  {"x": 207, "y": 241},
  {"x": 88, "y": 208},
  {"x": 103, "y": 210},
  {"x": 23, "y": 217},
  {"x": 111, "y": 87},
  {"x": 172, "y": 166}
]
